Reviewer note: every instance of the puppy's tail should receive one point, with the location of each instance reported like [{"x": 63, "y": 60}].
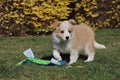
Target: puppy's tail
[{"x": 99, "y": 46}]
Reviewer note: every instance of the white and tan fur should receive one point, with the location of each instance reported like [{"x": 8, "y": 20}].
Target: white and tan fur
[{"x": 68, "y": 37}]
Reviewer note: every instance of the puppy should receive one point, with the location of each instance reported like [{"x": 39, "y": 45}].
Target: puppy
[{"x": 68, "y": 37}]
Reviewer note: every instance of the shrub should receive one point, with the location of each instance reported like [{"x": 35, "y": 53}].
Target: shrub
[
  {"x": 17, "y": 17},
  {"x": 98, "y": 13},
  {"x": 36, "y": 15}
]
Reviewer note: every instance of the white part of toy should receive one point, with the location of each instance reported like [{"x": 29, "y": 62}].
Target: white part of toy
[
  {"x": 28, "y": 53},
  {"x": 54, "y": 61}
]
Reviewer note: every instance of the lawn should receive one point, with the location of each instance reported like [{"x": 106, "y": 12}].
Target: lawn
[{"x": 106, "y": 65}]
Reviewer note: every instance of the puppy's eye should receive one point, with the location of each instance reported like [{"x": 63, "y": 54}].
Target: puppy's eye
[
  {"x": 62, "y": 31},
  {"x": 69, "y": 31}
]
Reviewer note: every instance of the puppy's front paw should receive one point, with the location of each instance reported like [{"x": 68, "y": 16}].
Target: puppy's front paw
[
  {"x": 88, "y": 60},
  {"x": 71, "y": 62}
]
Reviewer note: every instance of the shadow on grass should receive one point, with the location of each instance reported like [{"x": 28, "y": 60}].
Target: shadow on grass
[{"x": 66, "y": 57}]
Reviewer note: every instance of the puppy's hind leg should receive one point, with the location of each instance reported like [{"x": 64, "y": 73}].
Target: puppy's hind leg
[
  {"x": 56, "y": 54},
  {"x": 89, "y": 50}
]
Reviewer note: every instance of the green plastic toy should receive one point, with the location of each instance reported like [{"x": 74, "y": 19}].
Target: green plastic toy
[{"x": 31, "y": 59}]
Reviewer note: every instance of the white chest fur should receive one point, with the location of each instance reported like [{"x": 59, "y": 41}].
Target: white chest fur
[{"x": 63, "y": 46}]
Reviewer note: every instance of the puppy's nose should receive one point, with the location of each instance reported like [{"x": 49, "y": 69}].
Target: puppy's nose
[{"x": 67, "y": 37}]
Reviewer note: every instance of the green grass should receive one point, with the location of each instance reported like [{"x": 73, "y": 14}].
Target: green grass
[{"x": 106, "y": 65}]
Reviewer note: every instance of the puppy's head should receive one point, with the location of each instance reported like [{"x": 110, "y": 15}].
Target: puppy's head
[{"x": 64, "y": 29}]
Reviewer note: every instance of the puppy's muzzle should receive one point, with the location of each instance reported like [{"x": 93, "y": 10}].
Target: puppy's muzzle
[{"x": 67, "y": 37}]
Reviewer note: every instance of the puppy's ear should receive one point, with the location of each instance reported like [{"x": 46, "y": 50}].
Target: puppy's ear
[
  {"x": 72, "y": 21},
  {"x": 56, "y": 24}
]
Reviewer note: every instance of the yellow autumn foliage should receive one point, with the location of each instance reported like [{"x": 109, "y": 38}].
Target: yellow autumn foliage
[
  {"x": 98, "y": 13},
  {"x": 18, "y": 17},
  {"x": 35, "y": 15}
]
